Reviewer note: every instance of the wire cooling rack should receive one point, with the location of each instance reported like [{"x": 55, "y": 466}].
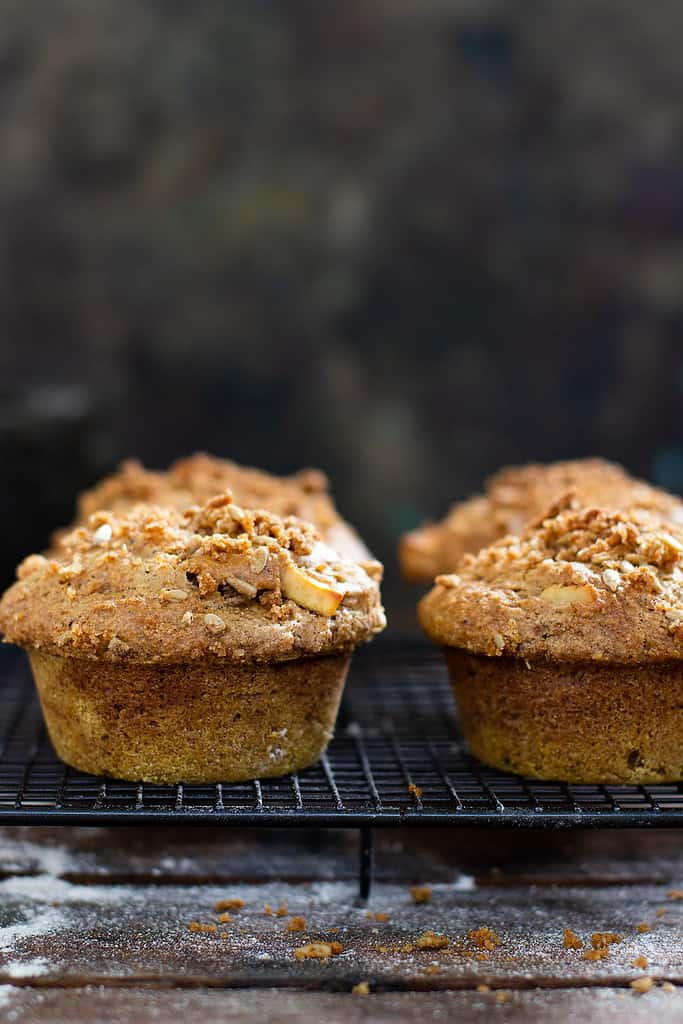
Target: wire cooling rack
[{"x": 397, "y": 759}]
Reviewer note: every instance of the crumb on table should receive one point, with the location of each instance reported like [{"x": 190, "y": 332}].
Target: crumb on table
[
  {"x": 233, "y": 903},
  {"x": 642, "y": 984},
  {"x": 318, "y": 950},
  {"x": 484, "y": 938},
  {"x": 571, "y": 940},
  {"x": 601, "y": 940},
  {"x": 431, "y": 940},
  {"x": 596, "y": 954}
]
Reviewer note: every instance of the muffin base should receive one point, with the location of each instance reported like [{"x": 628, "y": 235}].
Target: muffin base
[
  {"x": 193, "y": 722},
  {"x": 574, "y": 722}
]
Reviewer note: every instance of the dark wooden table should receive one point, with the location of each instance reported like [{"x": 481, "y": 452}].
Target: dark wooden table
[{"x": 94, "y": 926}]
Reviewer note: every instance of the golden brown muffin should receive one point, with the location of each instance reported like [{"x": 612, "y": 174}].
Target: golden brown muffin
[
  {"x": 198, "y": 477},
  {"x": 199, "y": 646},
  {"x": 515, "y": 496},
  {"x": 565, "y": 647}
]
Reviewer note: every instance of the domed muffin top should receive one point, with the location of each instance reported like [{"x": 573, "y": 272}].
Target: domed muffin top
[
  {"x": 580, "y": 584},
  {"x": 518, "y": 494},
  {"x": 217, "y": 580},
  {"x": 198, "y": 477}
]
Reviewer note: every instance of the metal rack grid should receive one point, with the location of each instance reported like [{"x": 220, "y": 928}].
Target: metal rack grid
[{"x": 397, "y": 759}]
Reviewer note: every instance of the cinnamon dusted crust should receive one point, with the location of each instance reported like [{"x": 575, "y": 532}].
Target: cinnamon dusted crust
[
  {"x": 580, "y": 585},
  {"x": 518, "y": 494},
  {"x": 155, "y": 586},
  {"x": 195, "y": 479}
]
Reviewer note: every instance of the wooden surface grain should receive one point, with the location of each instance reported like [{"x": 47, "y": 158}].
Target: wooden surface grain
[{"x": 94, "y": 926}]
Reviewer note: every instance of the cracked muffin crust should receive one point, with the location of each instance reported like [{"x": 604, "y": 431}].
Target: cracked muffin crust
[
  {"x": 515, "y": 496},
  {"x": 198, "y": 477},
  {"x": 565, "y": 646},
  {"x": 204, "y": 645}
]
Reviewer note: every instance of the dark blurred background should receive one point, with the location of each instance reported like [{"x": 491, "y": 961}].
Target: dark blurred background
[{"x": 404, "y": 240}]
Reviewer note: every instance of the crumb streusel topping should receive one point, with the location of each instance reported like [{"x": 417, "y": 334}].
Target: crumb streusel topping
[
  {"x": 160, "y": 585},
  {"x": 198, "y": 477},
  {"x": 516, "y": 495},
  {"x": 579, "y": 584}
]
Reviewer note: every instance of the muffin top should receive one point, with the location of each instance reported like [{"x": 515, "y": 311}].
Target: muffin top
[
  {"x": 518, "y": 494},
  {"x": 581, "y": 584},
  {"x": 217, "y": 580},
  {"x": 199, "y": 477}
]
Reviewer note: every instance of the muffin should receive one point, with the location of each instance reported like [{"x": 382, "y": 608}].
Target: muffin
[
  {"x": 209, "y": 645},
  {"x": 515, "y": 496},
  {"x": 565, "y": 647},
  {"x": 199, "y": 477}
]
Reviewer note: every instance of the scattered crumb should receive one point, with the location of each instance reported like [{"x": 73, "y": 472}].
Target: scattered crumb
[
  {"x": 484, "y": 938},
  {"x": 421, "y": 894},
  {"x": 430, "y": 940},
  {"x": 668, "y": 987},
  {"x": 282, "y": 910},
  {"x": 415, "y": 790},
  {"x": 640, "y": 961},
  {"x": 55, "y": 903},
  {"x": 380, "y": 915},
  {"x": 483, "y": 988},
  {"x": 408, "y": 948},
  {"x": 503, "y": 996},
  {"x": 334, "y": 931},
  {"x": 268, "y": 910},
  {"x": 481, "y": 956},
  {"x": 675, "y": 894},
  {"x": 318, "y": 950},
  {"x": 571, "y": 940},
  {"x": 432, "y": 969},
  {"x": 643, "y": 927},
  {"x": 597, "y": 954},
  {"x": 602, "y": 940},
  {"x": 231, "y": 904},
  {"x": 223, "y": 935},
  {"x": 660, "y": 911},
  {"x": 642, "y": 984},
  {"x": 361, "y": 989},
  {"x": 197, "y": 926},
  {"x": 224, "y": 918},
  {"x": 296, "y": 924}
]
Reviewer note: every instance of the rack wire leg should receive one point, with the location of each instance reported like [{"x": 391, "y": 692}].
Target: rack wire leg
[{"x": 366, "y": 864}]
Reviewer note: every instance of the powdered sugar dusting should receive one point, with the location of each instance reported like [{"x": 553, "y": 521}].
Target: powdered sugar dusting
[{"x": 27, "y": 968}]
